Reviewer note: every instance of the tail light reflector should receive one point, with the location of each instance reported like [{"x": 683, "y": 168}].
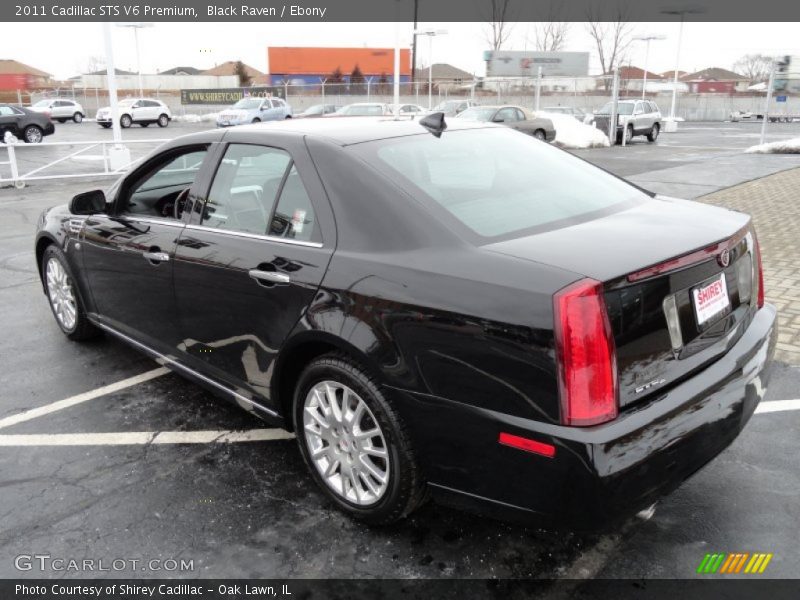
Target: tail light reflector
[
  {"x": 526, "y": 444},
  {"x": 586, "y": 355},
  {"x": 760, "y": 295}
]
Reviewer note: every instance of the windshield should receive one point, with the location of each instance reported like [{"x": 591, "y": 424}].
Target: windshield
[
  {"x": 447, "y": 105},
  {"x": 127, "y": 102},
  {"x": 42, "y": 103},
  {"x": 314, "y": 110},
  {"x": 248, "y": 103},
  {"x": 362, "y": 110},
  {"x": 623, "y": 108},
  {"x": 496, "y": 184},
  {"x": 477, "y": 114}
]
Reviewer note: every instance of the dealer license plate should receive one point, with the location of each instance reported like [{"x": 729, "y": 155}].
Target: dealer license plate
[{"x": 711, "y": 299}]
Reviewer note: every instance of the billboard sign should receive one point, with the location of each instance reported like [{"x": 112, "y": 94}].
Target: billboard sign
[
  {"x": 229, "y": 95},
  {"x": 502, "y": 63}
]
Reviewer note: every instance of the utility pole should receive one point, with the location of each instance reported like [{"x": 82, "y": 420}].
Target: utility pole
[{"x": 767, "y": 101}]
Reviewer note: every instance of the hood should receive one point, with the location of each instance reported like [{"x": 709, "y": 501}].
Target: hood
[{"x": 612, "y": 246}]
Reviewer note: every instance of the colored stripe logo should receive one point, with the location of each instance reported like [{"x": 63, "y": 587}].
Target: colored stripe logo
[{"x": 734, "y": 562}]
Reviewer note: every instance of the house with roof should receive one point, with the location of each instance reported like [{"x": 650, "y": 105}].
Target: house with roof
[
  {"x": 228, "y": 68},
  {"x": 15, "y": 75},
  {"x": 715, "y": 80},
  {"x": 181, "y": 71}
]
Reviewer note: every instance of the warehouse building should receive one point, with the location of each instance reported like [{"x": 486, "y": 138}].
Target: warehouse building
[{"x": 312, "y": 65}]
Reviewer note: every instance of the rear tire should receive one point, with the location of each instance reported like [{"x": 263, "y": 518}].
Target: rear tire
[
  {"x": 33, "y": 134},
  {"x": 628, "y": 134},
  {"x": 163, "y": 120},
  {"x": 125, "y": 121},
  {"x": 335, "y": 402},
  {"x": 653, "y": 135},
  {"x": 256, "y": 120},
  {"x": 64, "y": 300},
  {"x": 77, "y": 117},
  {"x": 539, "y": 135}
]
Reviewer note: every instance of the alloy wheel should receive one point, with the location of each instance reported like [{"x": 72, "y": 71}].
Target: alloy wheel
[
  {"x": 61, "y": 294},
  {"x": 345, "y": 443},
  {"x": 33, "y": 135}
]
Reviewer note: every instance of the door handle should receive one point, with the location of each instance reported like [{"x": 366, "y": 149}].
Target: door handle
[
  {"x": 270, "y": 276},
  {"x": 156, "y": 256}
]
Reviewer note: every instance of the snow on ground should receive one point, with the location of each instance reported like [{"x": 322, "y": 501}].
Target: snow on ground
[
  {"x": 196, "y": 118},
  {"x": 571, "y": 133},
  {"x": 781, "y": 147}
]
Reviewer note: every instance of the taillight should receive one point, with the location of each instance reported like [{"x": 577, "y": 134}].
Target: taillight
[
  {"x": 586, "y": 355},
  {"x": 760, "y": 296}
]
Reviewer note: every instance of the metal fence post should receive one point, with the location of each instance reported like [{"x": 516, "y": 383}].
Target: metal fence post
[
  {"x": 766, "y": 102},
  {"x": 538, "y": 88},
  {"x": 612, "y": 125},
  {"x": 19, "y": 97}
]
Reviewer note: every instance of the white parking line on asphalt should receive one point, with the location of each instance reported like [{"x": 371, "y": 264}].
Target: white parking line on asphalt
[
  {"x": 778, "y": 406},
  {"x": 131, "y": 438},
  {"x": 80, "y": 398}
]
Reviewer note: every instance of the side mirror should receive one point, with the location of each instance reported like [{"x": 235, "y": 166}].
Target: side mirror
[
  {"x": 88, "y": 203},
  {"x": 498, "y": 120}
]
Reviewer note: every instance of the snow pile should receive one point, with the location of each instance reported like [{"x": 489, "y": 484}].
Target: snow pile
[
  {"x": 571, "y": 133},
  {"x": 196, "y": 118},
  {"x": 781, "y": 147}
]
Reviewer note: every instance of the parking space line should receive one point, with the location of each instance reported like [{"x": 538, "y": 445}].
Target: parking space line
[
  {"x": 132, "y": 438},
  {"x": 80, "y": 398},
  {"x": 778, "y": 406}
]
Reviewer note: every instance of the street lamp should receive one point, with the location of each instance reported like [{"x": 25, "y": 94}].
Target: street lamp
[
  {"x": 431, "y": 33},
  {"x": 647, "y": 39},
  {"x": 136, "y": 27},
  {"x": 682, "y": 12}
]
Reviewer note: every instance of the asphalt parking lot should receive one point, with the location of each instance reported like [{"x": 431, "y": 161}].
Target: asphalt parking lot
[{"x": 156, "y": 468}]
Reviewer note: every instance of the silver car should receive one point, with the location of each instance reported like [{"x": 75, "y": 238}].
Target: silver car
[
  {"x": 254, "y": 109},
  {"x": 634, "y": 117},
  {"x": 60, "y": 109}
]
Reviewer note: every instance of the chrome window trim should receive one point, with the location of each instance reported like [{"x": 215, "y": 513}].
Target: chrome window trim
[
  {"x": 151, "y": 220},
  {"x": 181, "y": 366},
  {"x": 256, "y": 236}
]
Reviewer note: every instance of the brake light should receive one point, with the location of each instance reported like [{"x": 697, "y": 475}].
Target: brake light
[
  {"x": 760, "y": 296},
  {"x": 586, "y": 355}
]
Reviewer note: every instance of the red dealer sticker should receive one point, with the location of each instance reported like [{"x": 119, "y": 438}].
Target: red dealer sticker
[{"x": 711, "y": 299}]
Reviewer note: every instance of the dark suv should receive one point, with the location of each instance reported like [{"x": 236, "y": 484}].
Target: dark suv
[{"x": 24, "y": 123}]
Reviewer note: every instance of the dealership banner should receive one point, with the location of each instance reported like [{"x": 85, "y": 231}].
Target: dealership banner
[
  {"x": 265, "y": 11},
  {"x": 230, "y": 95}
]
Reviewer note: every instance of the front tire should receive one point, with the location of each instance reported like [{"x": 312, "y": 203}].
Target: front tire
[
  {"x": 354, "y": 442},
  {"x": 33, "y": 134},
  {"x": 163, "y": 120},
  {"x": 64, "y": 300},
  {"x": 256, "y": 120},
  {"x": 628, "y": 134},
  {"x": 77, "y": 117},
  {"x": 125, "y": 121},
  {"x": 653, "y": 135}
]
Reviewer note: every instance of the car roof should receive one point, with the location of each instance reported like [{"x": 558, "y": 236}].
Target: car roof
[{"x": 355, "y": 130}]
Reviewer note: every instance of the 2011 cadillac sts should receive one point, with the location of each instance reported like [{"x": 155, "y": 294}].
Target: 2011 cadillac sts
[{"x": 461, "y": 311}]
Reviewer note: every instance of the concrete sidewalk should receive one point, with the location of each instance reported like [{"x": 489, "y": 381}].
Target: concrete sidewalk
[{"x": 774, "y": 203}]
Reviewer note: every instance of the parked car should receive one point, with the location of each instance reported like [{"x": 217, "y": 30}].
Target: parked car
[
  {"x": 254, "y": 110},
  {"x": 461, "y": 311},
  {"x": 409, "y": 110},
  {"x": 60, "y": 109},
  {"x": 363, "y": 109},
  {"x": 567, "y": 110},
  {"x": 515, "y": 117},
  {"x": 317, "y": 110},
  {"x": 24, "y": 123},
  {"x": 139, "y": 111},
  {"x": 453, "y": 107},
  {"x": 634, "y": 117}
]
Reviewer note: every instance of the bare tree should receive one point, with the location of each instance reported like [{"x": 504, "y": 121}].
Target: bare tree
[
  {"x": 550, "y": 35},
  {"x": 498, "y": 29},
  {"x": 612, "y": 38},
  {"x": 755, "y": 67},
  {"x": 240, "y": 70},
  {"x": 94, "y": 64}
]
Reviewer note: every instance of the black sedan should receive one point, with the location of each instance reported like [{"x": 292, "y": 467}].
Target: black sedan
[
  {"x": 25, "y": 124},
  {"x": 515, "y": 117},
  {"x": 446, "y": 309}
]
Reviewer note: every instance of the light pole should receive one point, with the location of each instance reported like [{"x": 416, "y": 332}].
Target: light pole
[
  {"x": 136, "y": 27},
  {"x": 431, "y": 33},
  {"x": 681, "y": 12},
  {"x": 647, "y": 39}
]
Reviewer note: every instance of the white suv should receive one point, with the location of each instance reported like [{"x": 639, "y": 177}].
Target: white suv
[
  {"x": 142, "y": 111},
  {"x": 60, "y": 109}
]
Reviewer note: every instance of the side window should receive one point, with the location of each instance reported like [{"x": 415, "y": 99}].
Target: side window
[
  {"x": 520, "y": 116},
  {"x": 244, "y": 188},
  {"x": 6, "y": 111},
  {"x": 507, "y": 114},
  {"x": 154, "y": 194},
  {"x": 294, "y": 215}
]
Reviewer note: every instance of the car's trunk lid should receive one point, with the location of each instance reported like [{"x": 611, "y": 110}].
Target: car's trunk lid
[{"x": 669, "y": 317}]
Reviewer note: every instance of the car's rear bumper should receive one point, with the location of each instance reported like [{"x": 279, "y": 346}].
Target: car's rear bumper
[{"x": 598, "y": 473}]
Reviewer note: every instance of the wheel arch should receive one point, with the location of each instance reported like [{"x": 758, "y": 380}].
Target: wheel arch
[
  {"x": 42, "y": 243},
  {"x": 300, "y": 351}
]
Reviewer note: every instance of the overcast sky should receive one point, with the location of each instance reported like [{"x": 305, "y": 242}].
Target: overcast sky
[{"x": 165, "y": 45}]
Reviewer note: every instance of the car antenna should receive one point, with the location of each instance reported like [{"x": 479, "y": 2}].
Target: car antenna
[{"x": 434, "y": 123}]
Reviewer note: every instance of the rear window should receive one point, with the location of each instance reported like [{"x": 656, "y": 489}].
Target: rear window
[{"x": 497, "y": 183}]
